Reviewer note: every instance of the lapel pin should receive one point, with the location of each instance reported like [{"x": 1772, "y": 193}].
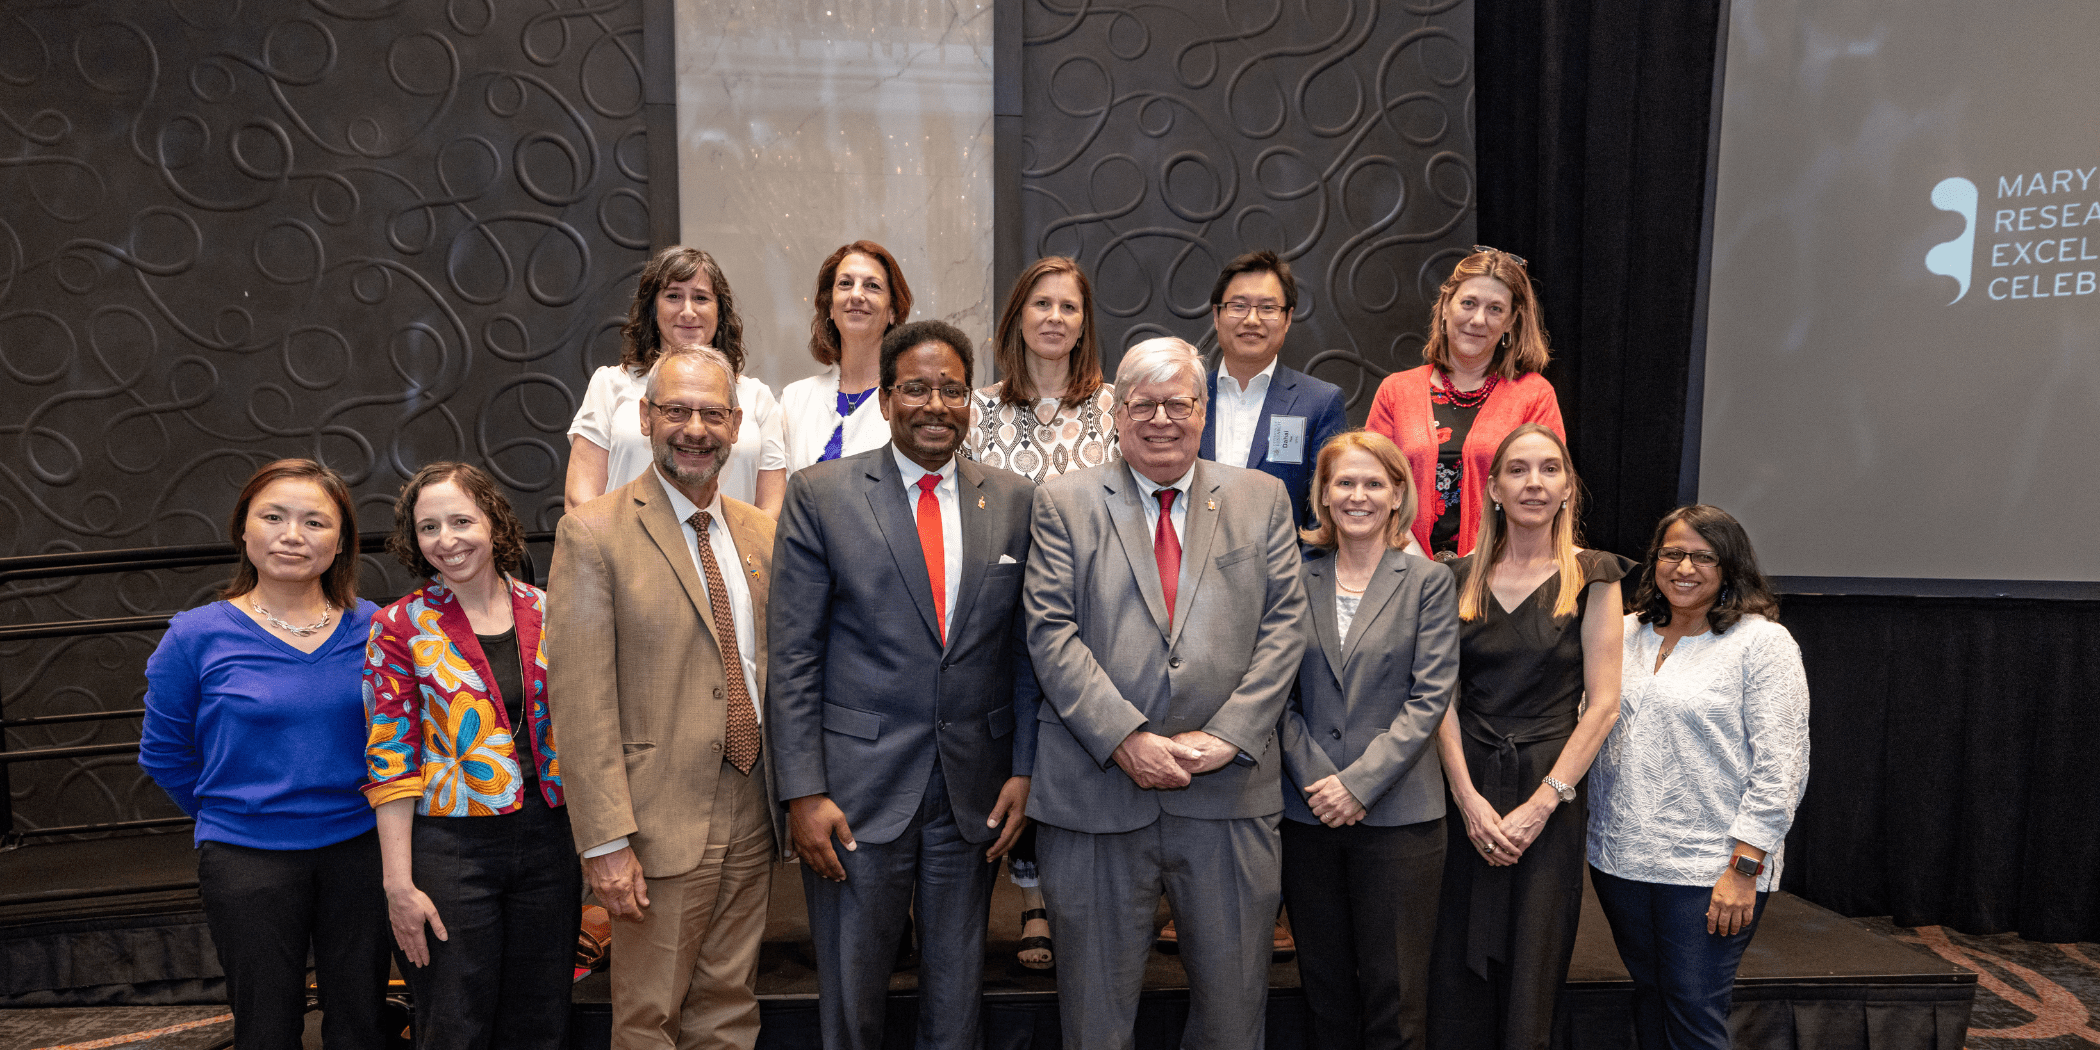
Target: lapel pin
[
  {"x": 980, "y": 503},
  {"x": 1213, "y": 505}
]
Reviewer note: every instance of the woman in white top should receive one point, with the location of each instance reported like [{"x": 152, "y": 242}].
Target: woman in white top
[
  {"x": 682, "y": 300},
  {"x": 861, "y": 294},
  {"x": 1693, "y": 792},
  {"x": 1049, "y": 412}
]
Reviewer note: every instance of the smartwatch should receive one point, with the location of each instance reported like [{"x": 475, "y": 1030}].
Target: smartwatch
[{"x": 1747, "y": 866}]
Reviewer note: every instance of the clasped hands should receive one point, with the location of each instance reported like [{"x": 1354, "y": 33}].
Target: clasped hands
[
  {"x": 1503, "y": 838},
  {"x": 1155, "y": 762}
]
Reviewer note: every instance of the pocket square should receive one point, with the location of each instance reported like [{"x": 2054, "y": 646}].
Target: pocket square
[{"x": 1007, "y": 559}]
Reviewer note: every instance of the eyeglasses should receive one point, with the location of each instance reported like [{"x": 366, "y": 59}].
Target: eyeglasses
[
  {"x": 1142, "y": 409},
  {"x": 1238, "y": 311},
  {"x": 1498, "y": 251},
  {"x": 676, "y": 415},
  {"x": 1671, "y": 556},
  {"x": 915, "y": 394}
]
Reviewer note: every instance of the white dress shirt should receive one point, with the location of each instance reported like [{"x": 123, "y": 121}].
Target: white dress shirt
[
  {"x": 733, "y": 572},
  {"x": 1238, "y": 412},
  {"x": 948, "y": 493},
  {"x": 1179, "y": 516}
]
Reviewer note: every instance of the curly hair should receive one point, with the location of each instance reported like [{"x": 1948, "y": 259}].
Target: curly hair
[
  {"x": 640, "y": 342},
  {"x": 506, "y": 536},
  {"x": 1744, "y": 589}
]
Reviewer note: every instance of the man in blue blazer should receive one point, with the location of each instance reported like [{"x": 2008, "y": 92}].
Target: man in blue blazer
[
  {"x": 901, "y": 703},
  {"x": 1263, "y": 415}
]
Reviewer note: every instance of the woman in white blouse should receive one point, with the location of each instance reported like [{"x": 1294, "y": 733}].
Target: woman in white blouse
[
  {"x": 1693, "y": 793},
  {"x": 861, "y": 294},
  {"x": 682, "y": 300}
]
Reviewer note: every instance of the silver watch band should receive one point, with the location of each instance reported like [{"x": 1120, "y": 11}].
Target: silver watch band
[{"x": 1566, "y": 793}]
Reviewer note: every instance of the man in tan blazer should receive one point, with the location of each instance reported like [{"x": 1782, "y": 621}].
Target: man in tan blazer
[{"x": 656, "y": 663}]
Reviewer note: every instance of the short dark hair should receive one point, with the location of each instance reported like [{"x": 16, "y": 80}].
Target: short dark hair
[
  {"x": 506, "y": 536},
  {"x": 1744, "y": 589},
  {"x": 1264, "y": 261},
  {"x": 904, "y": 337},
  {"x": 339, "y": 581},
  {"x": 640, "y": 342}
]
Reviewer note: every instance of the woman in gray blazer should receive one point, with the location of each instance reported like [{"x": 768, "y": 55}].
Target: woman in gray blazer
[{"x": 1363, "y": 827}]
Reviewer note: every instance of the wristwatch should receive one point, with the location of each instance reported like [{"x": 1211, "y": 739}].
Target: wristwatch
[
  {"x": 1566, "y": 793},
  {"x": 1747, "y": 866}
]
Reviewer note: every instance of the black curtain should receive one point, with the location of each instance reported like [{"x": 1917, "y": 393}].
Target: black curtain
[
  {"x": 1950, "y": 781},
  {"x": 1592, "y": 133}
]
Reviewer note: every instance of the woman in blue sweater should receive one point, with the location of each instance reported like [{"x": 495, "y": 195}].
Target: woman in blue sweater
[{"x": 255, "y": 726}]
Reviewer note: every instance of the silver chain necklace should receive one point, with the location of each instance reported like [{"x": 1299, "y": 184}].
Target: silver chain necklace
[{"x": 327, "y": 612}]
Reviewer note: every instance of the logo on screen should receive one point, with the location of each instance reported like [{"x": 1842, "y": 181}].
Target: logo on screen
[{"x": 1952, "y": 258}]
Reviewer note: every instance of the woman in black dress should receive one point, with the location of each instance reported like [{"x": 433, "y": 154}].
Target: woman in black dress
[{"x": 1539, "y": 651}]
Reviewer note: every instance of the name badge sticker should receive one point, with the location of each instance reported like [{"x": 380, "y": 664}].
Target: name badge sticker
[{"x": 1286, "y": 439}]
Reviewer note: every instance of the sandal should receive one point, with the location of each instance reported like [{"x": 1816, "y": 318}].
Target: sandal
[{"x": 1035, "y": 943}]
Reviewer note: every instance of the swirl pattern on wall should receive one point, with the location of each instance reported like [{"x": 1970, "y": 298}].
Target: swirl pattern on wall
[
  {"x": 1160, "y": 141},
  {"x": 376, "y": 233}
]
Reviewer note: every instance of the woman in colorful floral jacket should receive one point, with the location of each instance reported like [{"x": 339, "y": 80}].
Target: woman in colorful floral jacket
[{"x": 463, "y": 773}]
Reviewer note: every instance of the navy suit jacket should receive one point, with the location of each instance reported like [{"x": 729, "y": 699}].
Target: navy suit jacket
[
  {"x": 860, "y": 693},
  {"x": 1291, "y": 393}
]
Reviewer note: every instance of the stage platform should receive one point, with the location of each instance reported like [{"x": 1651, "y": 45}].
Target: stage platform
[{"x": 1811, "y": 980}]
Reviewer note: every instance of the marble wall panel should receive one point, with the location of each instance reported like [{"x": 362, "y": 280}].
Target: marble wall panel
[{"x": 805, "y": 124}]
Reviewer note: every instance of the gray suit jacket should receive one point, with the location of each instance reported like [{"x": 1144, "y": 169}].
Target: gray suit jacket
[
  {"x": 1368, "y": 708},
  {"x": 861, "y": 693},
  {"x": 1109, "y": 664}
]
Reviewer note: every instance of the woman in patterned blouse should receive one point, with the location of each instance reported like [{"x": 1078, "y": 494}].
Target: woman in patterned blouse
[
  {"x": 480, "y": 875},
  {"x": 1694, "y": 790},
  {"x": 1049, "y": 413}
]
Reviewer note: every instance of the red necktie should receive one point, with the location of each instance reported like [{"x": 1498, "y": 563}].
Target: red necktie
[
  {"x": 742, "y": 727},
  {"x": 1166, "y": 549},
  {"x": 936, "y": 554}
]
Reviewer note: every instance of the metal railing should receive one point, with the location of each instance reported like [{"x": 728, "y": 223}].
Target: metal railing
[{"x": 97, "y": 563}]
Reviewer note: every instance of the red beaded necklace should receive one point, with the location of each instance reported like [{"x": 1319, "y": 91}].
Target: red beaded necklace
[{"x": 1451, "y": 395}]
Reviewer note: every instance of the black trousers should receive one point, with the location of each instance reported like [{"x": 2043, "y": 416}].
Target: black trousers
[
  {"x": 1363, "y": 904},
  {"x": 509, "y": 889},
  {"x": 268, "y": 908}
]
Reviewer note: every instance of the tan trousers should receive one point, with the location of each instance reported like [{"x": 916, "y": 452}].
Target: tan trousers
[{"x": 684, "y": 976}]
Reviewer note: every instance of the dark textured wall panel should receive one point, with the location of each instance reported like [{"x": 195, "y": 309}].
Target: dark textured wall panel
[
  {"x": 1162, "y": 140},
  {"x": 375, "y": 233}
]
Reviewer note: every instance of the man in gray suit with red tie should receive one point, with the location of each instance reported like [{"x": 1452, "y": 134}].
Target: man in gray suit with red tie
[
  {"x": 901, "y": 704},
  {"x": 1164, "y": 617}
]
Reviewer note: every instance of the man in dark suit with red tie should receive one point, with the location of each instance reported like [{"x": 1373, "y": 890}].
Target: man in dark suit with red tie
[{"x": 901, "y": 703}]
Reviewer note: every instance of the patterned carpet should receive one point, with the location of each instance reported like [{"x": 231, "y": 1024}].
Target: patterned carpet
[{"x": 2029, "y": 995}]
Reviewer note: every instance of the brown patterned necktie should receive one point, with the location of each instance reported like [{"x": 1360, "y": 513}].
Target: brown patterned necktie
[{"x": 742, "y": 745}]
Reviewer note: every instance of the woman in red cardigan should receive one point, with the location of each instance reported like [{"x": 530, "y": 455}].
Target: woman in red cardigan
[{"x": 1479, "y": 380}]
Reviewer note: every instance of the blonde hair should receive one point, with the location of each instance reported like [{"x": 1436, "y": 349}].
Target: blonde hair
[
  {"x": 1488, "y": 546},
  {"x": 1382, "y": 449},
  {"x": 1523, "y": 346}
]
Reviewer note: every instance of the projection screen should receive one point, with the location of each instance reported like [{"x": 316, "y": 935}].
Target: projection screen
[{"x": 1900, "y": 389}]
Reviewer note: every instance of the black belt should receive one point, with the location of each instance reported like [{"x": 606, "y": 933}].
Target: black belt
[{"x": 1487, "y": 920}]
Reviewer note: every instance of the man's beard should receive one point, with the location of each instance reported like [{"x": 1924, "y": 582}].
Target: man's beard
[{"x": 667, "y": 460}]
